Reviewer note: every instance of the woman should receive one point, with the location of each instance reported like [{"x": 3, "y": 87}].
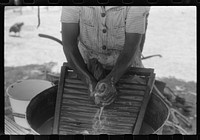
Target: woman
[{"x": 109, "y": 34}]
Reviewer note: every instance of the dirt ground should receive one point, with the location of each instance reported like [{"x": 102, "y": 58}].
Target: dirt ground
[{"x": 171, "y": 32}]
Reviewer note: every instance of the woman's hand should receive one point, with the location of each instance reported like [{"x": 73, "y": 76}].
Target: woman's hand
[
  {"x": 105, "y": 92},
  {"x": 91, "y": 86}
]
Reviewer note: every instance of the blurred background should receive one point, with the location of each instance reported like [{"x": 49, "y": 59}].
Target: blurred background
[{"x": 171, "y": 32}]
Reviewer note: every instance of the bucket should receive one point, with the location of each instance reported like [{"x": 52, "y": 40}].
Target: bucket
[
  {"x": 20, "y": 94},
  {"x": 41, "y": 109}
]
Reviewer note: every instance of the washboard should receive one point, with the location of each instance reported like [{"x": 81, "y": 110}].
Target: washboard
[{"x": 75, "y": 111}]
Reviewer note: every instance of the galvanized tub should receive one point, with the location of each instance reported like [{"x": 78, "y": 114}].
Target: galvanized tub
[{"x": 41, "y": 109}]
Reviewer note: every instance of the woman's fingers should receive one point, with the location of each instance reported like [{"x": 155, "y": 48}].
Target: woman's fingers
[
  {"x": 110, "y": 98},
  {"x": 105, "y": 100},
  {"x": 105, "y": 93}
]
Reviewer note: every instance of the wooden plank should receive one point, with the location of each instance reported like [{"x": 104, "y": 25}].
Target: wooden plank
[
  {"x": 138, "y": 124},
  {"x": 59, "y": 101}
]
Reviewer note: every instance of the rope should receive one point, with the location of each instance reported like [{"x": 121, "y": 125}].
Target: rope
[
  {"x": 38, "y": 16},
  {"x": 175, "y": 121}
]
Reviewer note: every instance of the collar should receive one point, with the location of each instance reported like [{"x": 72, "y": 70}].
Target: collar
[
  {"x": 106, "y": 7},
  {"x": 110, "y": 7}
]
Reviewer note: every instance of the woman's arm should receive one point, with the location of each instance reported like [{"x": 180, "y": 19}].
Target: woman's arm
[
  {"x": 70, "y": 33},
  {"x": 132, "y": 43},
  {"x": 134, "y": 29},
  {"x": 105, "y": 91}
]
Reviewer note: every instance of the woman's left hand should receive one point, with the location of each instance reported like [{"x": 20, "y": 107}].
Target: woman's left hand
[{"x": 105, "y": 92}]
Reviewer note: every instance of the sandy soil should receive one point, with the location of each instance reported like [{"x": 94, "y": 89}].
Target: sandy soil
[{"x": 171, "y": 33}]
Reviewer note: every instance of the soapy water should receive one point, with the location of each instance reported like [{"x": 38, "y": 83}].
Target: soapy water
[{"x": 98, "y": 123}]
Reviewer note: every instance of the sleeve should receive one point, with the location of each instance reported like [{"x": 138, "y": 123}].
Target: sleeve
[
  {"x": 70, "y": 14},
  {"x": 136, "y": 19}
]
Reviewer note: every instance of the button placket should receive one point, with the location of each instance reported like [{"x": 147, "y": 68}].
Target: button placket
[
  {"x": 103, "y": 16},
  {"x": 104, "y": 37},
  {"x": 103, "y": 30}
]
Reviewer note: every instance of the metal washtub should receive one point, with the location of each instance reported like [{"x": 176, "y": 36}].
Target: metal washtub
[
  {"x": 77, "y": 110},
  {"x": 156, "y": 114}
]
